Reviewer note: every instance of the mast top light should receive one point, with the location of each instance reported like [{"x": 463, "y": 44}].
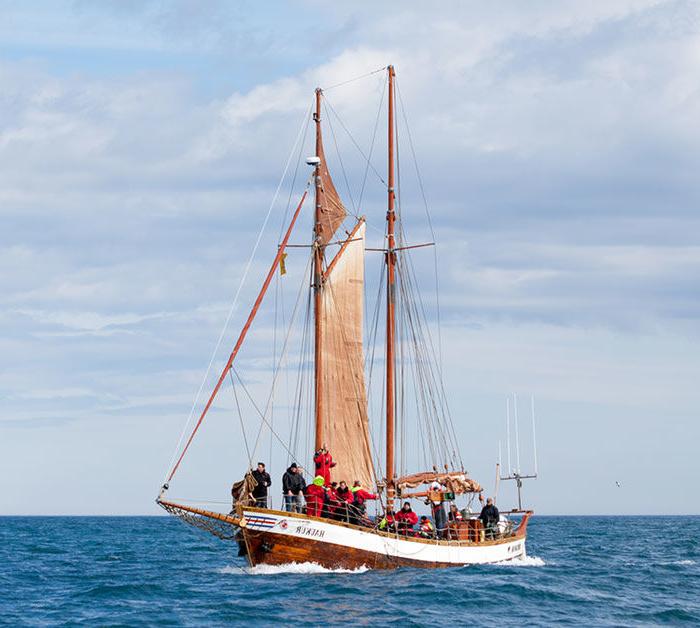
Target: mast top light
[{"x": 313, "y": 161}]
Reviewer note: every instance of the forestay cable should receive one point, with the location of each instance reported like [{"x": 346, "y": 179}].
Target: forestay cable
[{"x": 238, "y": 292}]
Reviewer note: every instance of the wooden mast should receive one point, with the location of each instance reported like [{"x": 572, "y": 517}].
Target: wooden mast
[
  {"x": 317, "y": 285},
  {"x": 390, "y": 301}
]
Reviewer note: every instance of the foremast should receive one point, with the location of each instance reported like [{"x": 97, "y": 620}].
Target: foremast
[{"x": 318, "y": 285}]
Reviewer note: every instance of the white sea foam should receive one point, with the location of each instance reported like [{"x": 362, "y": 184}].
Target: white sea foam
[
  {"x": 524, "y": 561},
  {"x": 683, "y": 562},
  {"x": 296, "y": 568},
  {"x": 315, "y": 568}
]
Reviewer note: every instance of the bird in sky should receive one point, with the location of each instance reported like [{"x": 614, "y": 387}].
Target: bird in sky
[{"x": 618, "y": 484}]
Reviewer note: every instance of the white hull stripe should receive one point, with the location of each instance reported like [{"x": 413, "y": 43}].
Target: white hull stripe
[{"x": 388, "y": 546}]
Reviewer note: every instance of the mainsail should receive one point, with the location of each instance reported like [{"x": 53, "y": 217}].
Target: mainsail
[{"x": 346, "y": 424}]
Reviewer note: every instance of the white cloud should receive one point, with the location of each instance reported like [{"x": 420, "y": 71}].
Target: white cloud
[{"x": 558, "y": 145}]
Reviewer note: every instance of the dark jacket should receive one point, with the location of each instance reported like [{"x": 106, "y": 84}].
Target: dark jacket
[
  {"x": 263, "y": 480},
  {"x": 489, "y": 515},
  {"x": 293, "y": 482}
]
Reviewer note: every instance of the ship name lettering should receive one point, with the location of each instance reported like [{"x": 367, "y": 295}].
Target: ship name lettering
[{"x": 310, "y": 532}]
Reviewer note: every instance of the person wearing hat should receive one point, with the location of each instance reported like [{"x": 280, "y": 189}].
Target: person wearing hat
[
  {"x": 293, "y": 485},
  {"x": 406, "y": 519},
  {"x": 315, "y": 496},
  {"x": 263, "y": 480},
  {"x": 435, "y": 501}
]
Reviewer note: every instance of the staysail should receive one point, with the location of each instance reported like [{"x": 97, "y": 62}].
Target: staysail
[{"x": 346, "y": 424}]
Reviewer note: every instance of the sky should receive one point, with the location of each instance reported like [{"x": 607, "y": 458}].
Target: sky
[{"x": 141, "y": 146}]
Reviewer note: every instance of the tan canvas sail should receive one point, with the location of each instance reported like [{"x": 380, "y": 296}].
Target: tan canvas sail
[
  {"x": 332, "y": 209},
  {"x": 346, "y": 427}
]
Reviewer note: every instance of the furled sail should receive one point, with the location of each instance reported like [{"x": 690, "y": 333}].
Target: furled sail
[
  {"x": 456, "y": 482},
  {"x": 346, "y": 424},
  {"x": 332, "y": 210}
]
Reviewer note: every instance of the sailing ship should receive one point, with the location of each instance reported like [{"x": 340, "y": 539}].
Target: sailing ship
[{"x": 341, "y": 413}]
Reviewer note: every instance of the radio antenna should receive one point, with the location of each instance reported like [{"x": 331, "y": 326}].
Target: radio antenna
[
  {"x": 510, "y": 468},
  {"x": 517, "y": 435},
  {"x": 534, "y": 433}
]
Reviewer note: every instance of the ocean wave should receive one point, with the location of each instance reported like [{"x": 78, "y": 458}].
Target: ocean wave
[
  {"x": 524, "y": 561},
  {"x": 295, "y": 568}
]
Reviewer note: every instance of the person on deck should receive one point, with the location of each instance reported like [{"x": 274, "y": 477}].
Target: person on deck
[
  {"x": 293, "y": 485},
  {"x": 345, "y": 498},
  {"x": 489, "y": 518},
  {"x": 388, "y": 522},
  {"x": 454, "y": 514},
  {"x": 262, "y": 477},
  {"x": 437, "y": 509},
  {"x": 358, "y": 507},
  {"x": 426, "y": 528},
  {"x": 332, "y": 502},
  {"x": 315, "y": 495},
  {"x": 324, "y": 462},
  {"x": 406, "y": 519}
]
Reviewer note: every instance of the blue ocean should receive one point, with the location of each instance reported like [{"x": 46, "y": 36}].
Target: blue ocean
[{"x": 128, "y": 571}]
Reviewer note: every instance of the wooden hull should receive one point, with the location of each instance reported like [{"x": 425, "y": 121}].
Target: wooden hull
[{"x": 275, "y": 538}]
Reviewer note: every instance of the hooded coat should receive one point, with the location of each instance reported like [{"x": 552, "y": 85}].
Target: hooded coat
[
  {"x": 324, "y": 462},
  {"x": 315, "y": 494},
  {"x": 293, "y": 481}
]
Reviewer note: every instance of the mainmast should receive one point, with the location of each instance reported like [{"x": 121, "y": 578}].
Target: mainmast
[
  {"x": 390, "y": 301},
  {"x": 318, "y": 278}
]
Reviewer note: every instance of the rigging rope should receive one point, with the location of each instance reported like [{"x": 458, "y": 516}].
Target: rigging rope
[
  {"x": 430, "y": 223},
  {"x": 296, "y": 169},
  {"x": 431, "y": 401},
  {"x": 235, "y": 298},
  {"x": 244, "y": 331},
  {"x": 342, "y": 166},
  {"x": 371, "y": 146},
  {"x": 304, "y": 358},
  {"x": 357, "y": 78},
  {"x": 240, "y": 415},
  {"x": 276, "y": 372},
  {"x": 262, "y": 416},
  {"x": 354, "y": 141}
]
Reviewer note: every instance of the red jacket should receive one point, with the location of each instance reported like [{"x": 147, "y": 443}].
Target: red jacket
[
  {"x": 314, "y": 500},
  {"x": 323, "y": 463},
  {"x": 347, "y": 496},
  {"x": 404, "y": 518},
  {"x": 333, "y": 501},
  {"x": 361, "y": 496}
]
